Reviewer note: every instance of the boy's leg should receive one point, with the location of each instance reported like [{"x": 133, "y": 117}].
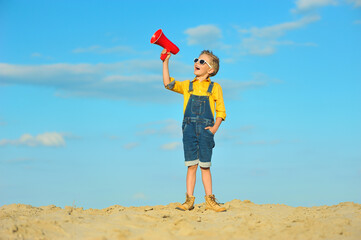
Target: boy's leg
[
  {"x": 191, "y": 179},
  {"x": 191, "y": 182},
  {"x": 207, "y": 180},
  {"x": 206, "y": 145},
  {"x": 211, "y": 202}
]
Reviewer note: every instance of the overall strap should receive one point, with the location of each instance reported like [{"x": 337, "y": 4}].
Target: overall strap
[
  {"x": 209, "y": 91},
  {"x": 190, "y": 86}
]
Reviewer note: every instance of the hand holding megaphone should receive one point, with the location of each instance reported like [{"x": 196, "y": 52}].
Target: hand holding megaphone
[
  {"x": 160, "y": 39},
  {"x": 165, "y": 52}
]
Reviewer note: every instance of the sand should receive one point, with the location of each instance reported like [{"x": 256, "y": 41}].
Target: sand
[{"x": 243, "y": 220}]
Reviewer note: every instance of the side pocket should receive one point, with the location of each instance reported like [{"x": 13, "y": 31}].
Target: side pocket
[
  {"x": 209, "y": 137},
  {"x": 209, "y": 131}
]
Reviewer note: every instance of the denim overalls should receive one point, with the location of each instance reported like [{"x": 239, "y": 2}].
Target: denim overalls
[{"x": 198, "y": 142}]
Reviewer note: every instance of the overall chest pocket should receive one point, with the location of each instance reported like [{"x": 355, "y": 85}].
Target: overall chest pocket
[{"x": 198, "y": 106}]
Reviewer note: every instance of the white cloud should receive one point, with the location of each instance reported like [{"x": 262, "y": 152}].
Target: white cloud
[
  {"x": 308, "y": 5},
  {"x": 136, "y": 80},
  {"x": 48, "y": 139},
  {"x": 357, "y": 22},
  {"x": 278, "y": 30},
  {"x": 262, "y": 142},
  {"x": 71, "y": 136},
  {"x": 131, "y": 145},
  {"x": 36, "y": 54},
  {"x": 168, "y": 127},
  {"x": 208, "y": 36},
  {"x": 11, "y": 73},
  {"x": 356, "y": 3},
  {"x": 20, "y": 160},
  {"x": 139, "y": 196},
  {"x": 112, "y": 137},
  {"x": 227, "y": 134},
  {"x": 103, "y": 50},
  {"x": 40, "y": 56},
  {"x": 254, "y": 46},
  {"x": 132, "y": 80},
  {"x": 38, "y": 74},
  {"x": 232, "y": 88},
  {"x": 264, "y": 41},
  {"x": 171, "y": 146},
  {"x": 305, "y": 5}
]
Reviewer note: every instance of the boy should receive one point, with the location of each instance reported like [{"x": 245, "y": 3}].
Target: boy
[{"x": 202, "y": 98}]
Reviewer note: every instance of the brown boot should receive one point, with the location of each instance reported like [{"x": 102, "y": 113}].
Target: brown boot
[
  {"x": 188, "y": 204},
  {"x": 212, "y": 204}
]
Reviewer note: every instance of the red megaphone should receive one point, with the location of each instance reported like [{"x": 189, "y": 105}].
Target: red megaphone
[{"x": 160, "y": 39}]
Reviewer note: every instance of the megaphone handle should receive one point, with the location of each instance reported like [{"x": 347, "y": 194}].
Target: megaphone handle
[{"x": 164, "y": 56}]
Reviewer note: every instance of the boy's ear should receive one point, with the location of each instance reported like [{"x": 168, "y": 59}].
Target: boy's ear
[{"x": 211, "y": 70}]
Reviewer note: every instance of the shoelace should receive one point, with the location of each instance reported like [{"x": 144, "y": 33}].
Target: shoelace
[
  {"x": 188, "y": 201},
  {"x": 214, "y": 200}
]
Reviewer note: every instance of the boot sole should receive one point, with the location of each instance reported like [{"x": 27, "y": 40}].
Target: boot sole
[
  {"x": 184, "y": 209},
  {"x": 216, "y": 210}
]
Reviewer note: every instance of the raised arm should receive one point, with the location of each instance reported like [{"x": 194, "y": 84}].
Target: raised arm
[{"x": 166, "y": 78}]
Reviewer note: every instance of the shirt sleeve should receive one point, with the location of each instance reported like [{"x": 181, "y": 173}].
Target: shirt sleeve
[
  {"x": 175, "y": 86},
  {"x": 220, "y": 108}
]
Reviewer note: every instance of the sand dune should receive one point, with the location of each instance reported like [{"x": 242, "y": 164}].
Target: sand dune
[{"x": 243, "y": 220}]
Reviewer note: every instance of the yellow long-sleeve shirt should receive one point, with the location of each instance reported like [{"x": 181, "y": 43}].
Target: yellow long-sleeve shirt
[{"x": 200, "y": 88}]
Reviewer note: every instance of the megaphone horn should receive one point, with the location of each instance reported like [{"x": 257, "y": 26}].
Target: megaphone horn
[{"x": 160, "y": 39}]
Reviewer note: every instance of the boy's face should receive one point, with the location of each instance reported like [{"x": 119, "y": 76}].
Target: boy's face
[{"x": 203, "y": 69}]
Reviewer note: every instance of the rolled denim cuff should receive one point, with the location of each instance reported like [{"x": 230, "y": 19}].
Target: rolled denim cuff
[
  {"x": 191, "y": 163},
  {"x": 170, "y": 85},
  {"x": 205, "y": 164}
]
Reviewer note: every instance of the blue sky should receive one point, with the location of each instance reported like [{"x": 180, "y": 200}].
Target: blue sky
[{"x": 85, "y": 119}]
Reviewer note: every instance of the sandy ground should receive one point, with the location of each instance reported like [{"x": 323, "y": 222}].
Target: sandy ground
[{"x": 243, "y": 220}]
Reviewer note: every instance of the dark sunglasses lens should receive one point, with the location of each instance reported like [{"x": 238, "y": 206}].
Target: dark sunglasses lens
[
  {"x": 196, "y": 60},
  {"x": 202, "y": 61}
]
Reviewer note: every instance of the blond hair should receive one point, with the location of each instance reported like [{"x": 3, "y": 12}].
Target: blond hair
[{"x": 214, "y": 63}]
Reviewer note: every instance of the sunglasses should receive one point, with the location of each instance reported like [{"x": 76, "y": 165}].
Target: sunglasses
[{"x": 202, "y": 62}]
